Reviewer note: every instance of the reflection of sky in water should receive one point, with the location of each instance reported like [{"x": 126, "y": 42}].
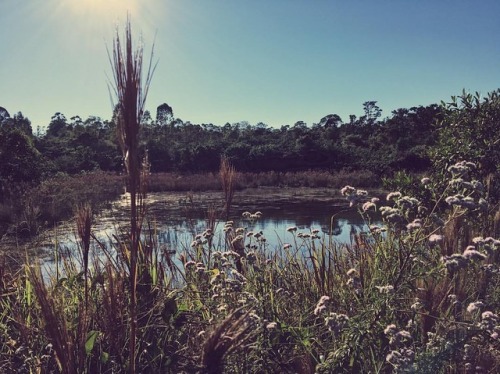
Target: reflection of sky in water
[{"x": 177, "y": 234}]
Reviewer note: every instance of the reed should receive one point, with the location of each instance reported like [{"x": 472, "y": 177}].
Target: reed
[
  {"x": 131, "y": 92},
  {"x": 227, "y": 175}
]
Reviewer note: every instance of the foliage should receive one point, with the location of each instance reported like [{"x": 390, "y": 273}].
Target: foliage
[
  {"x": 20, "y": 162},
  {"x": 469, "y": 131}
]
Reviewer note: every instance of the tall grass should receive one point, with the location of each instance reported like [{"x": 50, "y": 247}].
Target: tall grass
[
  {"x": 227, "y": 175},
  {"x": 131, "y": 92},
  {"x": 418, "y": 294}
]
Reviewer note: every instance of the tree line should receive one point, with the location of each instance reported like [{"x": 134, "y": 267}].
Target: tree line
[{"x": 405, "y": 140}]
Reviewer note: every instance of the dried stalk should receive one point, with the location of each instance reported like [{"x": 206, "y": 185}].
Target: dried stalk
[
  {"x": 131, "y": 93},
  {"x": 227, "y": 174}
]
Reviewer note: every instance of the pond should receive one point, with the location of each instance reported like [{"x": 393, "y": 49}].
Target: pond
[{"x": 174, "y": 219}]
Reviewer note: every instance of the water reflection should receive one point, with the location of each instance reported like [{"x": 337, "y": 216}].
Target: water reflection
[{"x": 175, "y": 232}]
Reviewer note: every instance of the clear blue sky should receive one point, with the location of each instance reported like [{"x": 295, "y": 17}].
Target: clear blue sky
[{"x": 271, "y": 61}]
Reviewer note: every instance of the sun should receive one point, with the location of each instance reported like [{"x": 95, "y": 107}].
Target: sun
[{"x": 103, "y": 8}]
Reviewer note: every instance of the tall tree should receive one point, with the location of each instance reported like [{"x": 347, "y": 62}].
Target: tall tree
[{"x": 164, "y": 114}]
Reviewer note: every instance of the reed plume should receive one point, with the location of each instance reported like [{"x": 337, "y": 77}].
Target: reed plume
[
  {"x": 131, "y": 92},
  {"x": 227, "y": 174}
]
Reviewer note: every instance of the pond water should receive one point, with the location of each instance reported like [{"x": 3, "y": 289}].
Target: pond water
[{"x": 175, "y": 219}]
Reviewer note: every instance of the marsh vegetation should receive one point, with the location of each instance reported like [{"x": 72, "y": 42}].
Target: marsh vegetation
[{"x": 416, "y": 291}]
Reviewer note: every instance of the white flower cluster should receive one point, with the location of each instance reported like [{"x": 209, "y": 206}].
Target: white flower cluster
[
  {"x": 468, "y": 192},
  {"x": 482, "y": 248},
  {"x": 401, "y": 356},
  {"x": 354, "y": 195}
]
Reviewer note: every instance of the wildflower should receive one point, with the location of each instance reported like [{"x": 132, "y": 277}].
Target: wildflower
[
  {"x": 478, "y": 240},
  {"x": 453, "y": 299},
  {"x": 368, "y": 205},
  {"x": 435, "y": 239},
  {"x": 271, "y": 325},
  {"x": 416, "y": 305},
  {"x": 416, "y": 224},
  {"x": 347, "y": 190},
  {"x": 407, "y": 202},
  {"x": 489, "y": 323},
  {"x": 396, "y": 337},
  {"x": 246, "y": 214},
  {"x": 287, "y": 246},
  {"x": 475, "y": 307},
  {"x": 401, "y": 360},
  {"x": 354, "y": 280},
  {"x": 472, "y": 254},
  {"x": 238, "y": 276},
  {"x": 391, "y": 214},
  {"x": 240, "y": 230},
  {"x": 237, "y": 238},
  {"x": 453, "y": 200},
  {"x": 321, "y": 305},
  {"x": 425, "y": 181},
  {"x": 454, "y": 262},
  {"x": 461, "y": 168},
  {"x": 353, "y": 195},
  {"x": 393, "y": 357},
  {"x": 336, "y": 322},
  {"x": 422, "y": 209},
  {"x": 390, "y": 330},
  {"x": 189, "y": 264},
  {"x": 385, "y": 289},
  {"x": 249, "y": 234},
  {"x": 315, "y": 231},
  {"x": 375, "y": 200},
  {"x": 291, "y": 229},
  {"x": 456, "y": 182},
  {"x": 489, "y": 240},
  {"x": 352, "y": 272},
  {"x": 393, "y": 196}
]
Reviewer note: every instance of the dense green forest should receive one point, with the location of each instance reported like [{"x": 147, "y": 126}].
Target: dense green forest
[{"x": 73, "y": 145}]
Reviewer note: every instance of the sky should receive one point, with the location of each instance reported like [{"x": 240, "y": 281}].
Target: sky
[{"x": 270, "y": 61}]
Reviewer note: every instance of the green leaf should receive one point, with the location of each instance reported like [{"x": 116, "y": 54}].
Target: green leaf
[
  {"x": 91, "y": 338},
  {"x": 104, "y": 357}
]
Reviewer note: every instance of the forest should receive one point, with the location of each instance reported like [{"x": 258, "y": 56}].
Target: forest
[{"x": 71, "y": 146}]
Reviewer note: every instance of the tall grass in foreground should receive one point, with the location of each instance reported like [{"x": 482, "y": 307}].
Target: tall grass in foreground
[
  {"x": 419, "y": 294},
  {"x": 131, "y": 92}
]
